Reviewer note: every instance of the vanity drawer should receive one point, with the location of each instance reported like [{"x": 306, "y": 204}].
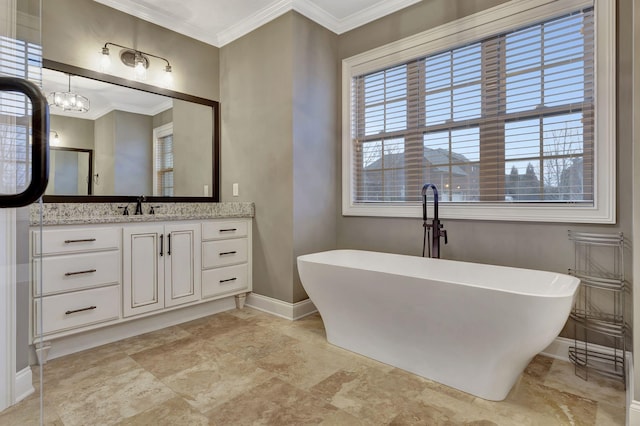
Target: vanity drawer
[
  {"x": 224, "y": 280},
  {"x": 223, "y": 253},
  {"x": 224, "y": 229},
  {"x": 76, "y": 271},
  {"x": 81, "y": 240},
  {"x": 72, "y": 310}
]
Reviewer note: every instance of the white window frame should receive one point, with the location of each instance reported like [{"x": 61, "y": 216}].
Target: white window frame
[
  {"x": 503, "y": 18},
  {"x": 159, "y": 132}
]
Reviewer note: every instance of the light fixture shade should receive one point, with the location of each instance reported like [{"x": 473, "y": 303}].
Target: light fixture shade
[
  {"x": 105, "y": 60},
  {"x": 167, "y": 80},
  {"x": 140, "y": 67},
  {"x": 69, "y": 101}
]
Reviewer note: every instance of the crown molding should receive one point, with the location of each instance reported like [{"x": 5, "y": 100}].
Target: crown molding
[
  {"x": 253, "y": 22},
  {"x": 317, "y": 14},
  {"x": 370, "y": 14},
  {"x": 146, "y": 11}
]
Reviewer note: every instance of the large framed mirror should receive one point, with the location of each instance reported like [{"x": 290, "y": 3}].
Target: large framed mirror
[{"x": 143, "y": 140}]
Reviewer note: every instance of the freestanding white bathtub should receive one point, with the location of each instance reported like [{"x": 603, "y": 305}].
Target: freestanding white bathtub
[{"x": 470, "y": 326}]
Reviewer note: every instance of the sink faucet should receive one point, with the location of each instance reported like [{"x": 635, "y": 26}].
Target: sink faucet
[
  {"x": 139, "y": 201},
  {"x": 435, "y": 225}
]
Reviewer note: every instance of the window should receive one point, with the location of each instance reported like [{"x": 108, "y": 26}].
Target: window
[
  {"x": 24, "y": 60},
  {"x": 505, "y": 123},
  {"x": 163, "y": 164}
]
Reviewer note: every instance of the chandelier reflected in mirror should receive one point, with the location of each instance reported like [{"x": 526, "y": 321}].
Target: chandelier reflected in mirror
[{"x": 69, "y": 101}]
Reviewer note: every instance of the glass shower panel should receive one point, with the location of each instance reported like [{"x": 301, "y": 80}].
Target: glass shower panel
[{"x": 23, "y": 128}]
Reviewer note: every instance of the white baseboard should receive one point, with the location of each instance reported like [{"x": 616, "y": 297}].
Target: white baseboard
[
  {"x": 633, "y": 414},
  {"x": 24, "y": 384},
  {"x": 290, "y": 311},
  {"x": 559, "y": 349},
  {"x": 101, "y": 336}
]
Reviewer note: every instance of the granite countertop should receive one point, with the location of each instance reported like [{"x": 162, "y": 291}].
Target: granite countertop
[{"x": 94, "y": 213}]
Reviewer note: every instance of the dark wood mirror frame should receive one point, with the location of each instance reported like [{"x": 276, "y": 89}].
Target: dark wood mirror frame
[{"x": 215, "y": 106}]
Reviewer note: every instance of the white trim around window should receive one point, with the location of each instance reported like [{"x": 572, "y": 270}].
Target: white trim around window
[{"x": 509, "y": 16}]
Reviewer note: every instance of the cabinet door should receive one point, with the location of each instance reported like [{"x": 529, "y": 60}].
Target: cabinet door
[
  {"x": 143, "y": 269},
  {"x": 182, "y": 264}
]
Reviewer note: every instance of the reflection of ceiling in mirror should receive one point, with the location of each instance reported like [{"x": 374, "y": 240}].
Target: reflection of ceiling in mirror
[{"x": 104, "y": 97}]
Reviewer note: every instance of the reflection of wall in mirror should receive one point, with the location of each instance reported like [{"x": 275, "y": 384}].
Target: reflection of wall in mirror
[
  {"x": 74, "y": 132},
  {"x": 192, "y": 130},
  {"x": 123, "y": 153}
]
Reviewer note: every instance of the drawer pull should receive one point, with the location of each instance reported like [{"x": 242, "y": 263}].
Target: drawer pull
[
  {"x": 88, "y": 271},
  {"x": 90, "y": 308},
  {"x": 227, "y": 253},
  {"x": 229, "y": 230},
  {"x": 85, "y": 240},
  {"x": 227, "y": 280}
]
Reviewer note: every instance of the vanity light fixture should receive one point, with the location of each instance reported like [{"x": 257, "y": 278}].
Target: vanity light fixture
[
  {"x": 69, "y": 101},
  {"x": 136, "y": 59}
]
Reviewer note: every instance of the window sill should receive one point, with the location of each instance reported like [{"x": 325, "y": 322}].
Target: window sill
[{"x": 515, "y": 213}]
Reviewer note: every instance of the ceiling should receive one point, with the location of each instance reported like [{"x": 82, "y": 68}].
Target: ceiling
[
  {"x": 218, "y": 22},
  {"x": 104, "y": 97}
]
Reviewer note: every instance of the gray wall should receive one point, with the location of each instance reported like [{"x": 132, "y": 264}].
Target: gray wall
[
  {"x": 74, "y": 31},
  {"x": 73, "y": 132},
  {"x": 315, "y": 141},
  {"x": 104, "y": 153},
  {"x": 279, "y": 142},
  {"x": 192, "y": 131},
  {"x": 164, "y": 117},
  {"x": 523, "y": 244},
  {"x": 256, "y": 99},
  {"x": 133, "y": 151},
  {"x": 123, "y": 152}
]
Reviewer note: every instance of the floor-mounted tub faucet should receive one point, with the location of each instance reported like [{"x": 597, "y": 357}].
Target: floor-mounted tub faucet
[{"x": 435, "y": 225}]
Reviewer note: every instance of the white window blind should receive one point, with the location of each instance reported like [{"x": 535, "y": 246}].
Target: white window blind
[
  {"x": 163, "y": 164},
  {"x": 23, "y": 60},
  {"x": 506, "y": 119}
]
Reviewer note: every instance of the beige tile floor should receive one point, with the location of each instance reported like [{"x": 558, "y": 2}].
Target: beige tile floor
[{"x": 244, "y": 367}]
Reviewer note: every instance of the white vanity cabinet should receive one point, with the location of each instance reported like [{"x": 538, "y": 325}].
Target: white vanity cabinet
[
  {"x": 76, "y": 278},
  {"x": 124, "y": 277},
  {"x": 226, "y": 257},
  {"x": 161, "y": 266}
]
